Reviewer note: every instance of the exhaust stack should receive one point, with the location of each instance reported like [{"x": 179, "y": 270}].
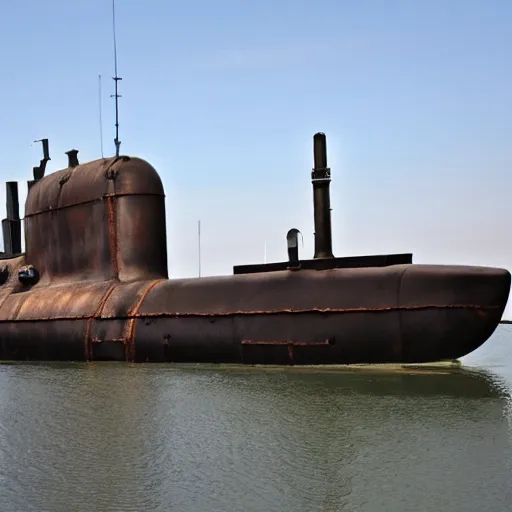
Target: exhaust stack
[
  {"x": 73, "y": 158},
  {"x": 321, "y": 180},
  {"x": 11, "y": 226},
  {"x": 41, "y": 168}
]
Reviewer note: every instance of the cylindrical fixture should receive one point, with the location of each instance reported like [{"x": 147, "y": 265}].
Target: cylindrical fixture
[
  {"x": 12, "y": 201},
  {"x": 11, "y": 226},
  {"x": 321, "y": 179},
  {"x": 72, "y": 158},
  {"x": 292, "y": 241}
]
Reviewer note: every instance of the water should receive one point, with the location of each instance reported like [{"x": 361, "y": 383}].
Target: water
[{"x": 158, "y": 438}]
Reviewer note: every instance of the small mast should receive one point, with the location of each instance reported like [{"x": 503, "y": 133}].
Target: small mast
[
  {"x": 116, "y": 79},
  {"x": 321, "y": 180}
]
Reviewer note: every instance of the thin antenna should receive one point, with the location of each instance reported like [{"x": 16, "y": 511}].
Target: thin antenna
[
  {"x": 265, "y": 253},
  {"x": 116, "y": 79},
  {"x": 199, "y": 245},
  {"x": 101, "y": 117}
]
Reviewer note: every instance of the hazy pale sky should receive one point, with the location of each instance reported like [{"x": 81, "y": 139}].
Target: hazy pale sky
[{"x": 223, "y": 98}]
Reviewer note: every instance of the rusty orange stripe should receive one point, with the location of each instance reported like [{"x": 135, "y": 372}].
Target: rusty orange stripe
[
  {"x": 133, "y": 314},
  {"x": 259, "y": 312},
  {"x": 87, "y": 341},
  {"x": 90, "y": 201}
]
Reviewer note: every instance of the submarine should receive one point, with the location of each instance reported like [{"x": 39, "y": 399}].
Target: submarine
[{"x": 92, "y": 285}]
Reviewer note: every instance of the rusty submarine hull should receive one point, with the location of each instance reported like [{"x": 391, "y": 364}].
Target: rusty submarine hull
[{"x": 93, "y": 285}]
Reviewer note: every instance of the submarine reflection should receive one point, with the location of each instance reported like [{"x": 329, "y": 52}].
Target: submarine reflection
[
  {"x": 411, "y": 380},
  {"x": 367, "y": 439}
]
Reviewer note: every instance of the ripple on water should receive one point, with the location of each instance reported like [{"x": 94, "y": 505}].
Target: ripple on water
[{"x": 113, "y": 437}]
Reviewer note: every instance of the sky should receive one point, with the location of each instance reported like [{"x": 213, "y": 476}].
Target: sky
[{"x": 223, "y": 99}]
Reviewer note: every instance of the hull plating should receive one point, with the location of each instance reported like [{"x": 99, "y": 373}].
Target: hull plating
[{"x": 397, "y": 314}]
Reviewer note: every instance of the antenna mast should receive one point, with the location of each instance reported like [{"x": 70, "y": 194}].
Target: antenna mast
[
  {"x": 101, "y": 117},
  {"x": 199, "y": 246},
  {"x": 116, "y": 79}
]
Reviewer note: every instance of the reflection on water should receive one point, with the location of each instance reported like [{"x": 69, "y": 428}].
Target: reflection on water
[{"x": 112, "y": 437}]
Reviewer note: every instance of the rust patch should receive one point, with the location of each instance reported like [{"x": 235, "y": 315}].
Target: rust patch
[
  {"x": 290, "y": 353},
  {"x": 289, "y": 344},
  {"x": 132, "y": 316},
  {"x": 328, "y": 341},
  {"x": 112, "y": 234},
  {"x": 320, "y": 310},
  {"x": 113, "y": 340},
  {"x": 175, "y": 314},
  {"x": 87, "y": 348},
  {"x": 89, "y": 201}
]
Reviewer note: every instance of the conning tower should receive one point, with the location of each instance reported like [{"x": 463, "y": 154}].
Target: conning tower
[{"x": 74, "y": 218}]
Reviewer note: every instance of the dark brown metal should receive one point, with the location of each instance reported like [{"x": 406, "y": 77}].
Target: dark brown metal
[
  {"x": 321, "y": 179},
  {"x": 93, "y": 285},
  {"x": 13, "y": 205},
  {"x": 11, "y": 226},
  {"x": 4, "y": 274},
  {"x": 28, "y": 275},
  {"x": 380, "y": 260},
  {"x": 72, "y": 157},
  {"x": 40, "y": 170},
  {"x": 253, "y": 357},
  {"x": 292, "y": 241}
]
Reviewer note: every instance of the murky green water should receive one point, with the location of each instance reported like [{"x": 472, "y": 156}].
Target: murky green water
[{"x": 159, "y": 438}]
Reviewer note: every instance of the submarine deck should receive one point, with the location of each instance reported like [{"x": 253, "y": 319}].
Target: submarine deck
[{"x": 377, "y": 260}]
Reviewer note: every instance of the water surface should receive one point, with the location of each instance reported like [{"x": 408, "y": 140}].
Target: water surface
[{"x": 115, "y": 437}]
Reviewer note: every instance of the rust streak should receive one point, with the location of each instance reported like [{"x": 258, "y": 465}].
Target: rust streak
[
  {"x": 289, "y": 343},
  {"x": 260, "y": 312},
  {"x": 290, "y": 353},
  {"x": 133, "y": 315},
  {"x": 87, "y": 351},
  {"x": 323, "y": 310},
  {"x": 97, "y": 314},
  {"x": 91, "y": 201},
  {"x": 112, "y": 234}
]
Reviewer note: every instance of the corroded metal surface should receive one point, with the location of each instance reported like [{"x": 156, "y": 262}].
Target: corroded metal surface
[
  {"x": 93, "y": 285},
  {"x": 101, "y": 220},
  {"x": 370, "y": 315},
  {"x": 321, "y": 179}
]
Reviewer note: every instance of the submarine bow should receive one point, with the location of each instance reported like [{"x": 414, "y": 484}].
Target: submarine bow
[{"x": 93, "y": 285}]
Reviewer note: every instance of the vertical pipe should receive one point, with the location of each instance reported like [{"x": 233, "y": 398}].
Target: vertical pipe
[
  {"x": 116, "y": 79},
  {"x": 199, "y": 246},
  {"x": 13, "y": 205},
  {"x": 292, "y": 241},
  {"x": 321, "y": 180},
  {"x": 11, "y": 226},
  {"x": 73, "y": 158},
  {"x": 101, "y": 116}
]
